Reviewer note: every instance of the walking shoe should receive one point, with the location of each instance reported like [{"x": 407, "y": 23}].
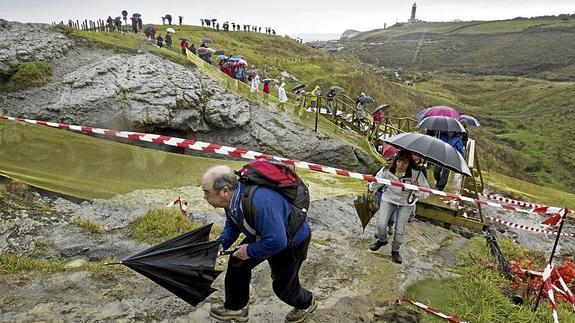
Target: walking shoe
[
  {"x": 390, "y": 229},
  {"x": 396, "y": 257},
  {"x": 376, "y": 245},
  {"x": 223, "y": 314},
  {"x": 297, "y": 315}
]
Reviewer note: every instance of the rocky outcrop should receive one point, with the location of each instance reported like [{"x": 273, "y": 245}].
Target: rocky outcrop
[
  {"x": 29, "y": 42},
  {"x": 147, "y": 93}
]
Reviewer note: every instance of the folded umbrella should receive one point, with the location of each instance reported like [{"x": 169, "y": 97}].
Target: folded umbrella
[
  {"x": 441, "y": 123},
  {"x": 432, "y": 149},
  {"x": 183, "y": 265}
]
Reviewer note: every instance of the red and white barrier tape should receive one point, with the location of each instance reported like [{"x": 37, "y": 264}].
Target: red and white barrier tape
[
  {"x": 430, "y": 309},
  {"x": 527, "y": 228},
  {"x": 249, "y": 154},
  {"x": 516, "y": 225},
  {"x": 549, "y": 289},
  {"x": 566, "y": 291},
  {"x": 537, "y": 208}
]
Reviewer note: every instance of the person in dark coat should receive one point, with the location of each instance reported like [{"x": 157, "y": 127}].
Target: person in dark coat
[
  {"x": 168, "y": 40},
  {"x": 267, "y": 240},
  {"x": 160, "y": 41}
]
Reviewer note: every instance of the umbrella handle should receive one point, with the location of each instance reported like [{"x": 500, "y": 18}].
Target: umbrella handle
[{"x": 227, "y": 252}]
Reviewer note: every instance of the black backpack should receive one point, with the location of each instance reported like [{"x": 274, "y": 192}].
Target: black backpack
[{"x": 282, "y": 179}]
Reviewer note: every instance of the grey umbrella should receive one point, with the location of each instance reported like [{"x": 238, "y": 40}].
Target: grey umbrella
[
  {"x": 441, "y": 123},
  {"x": 366, "y": 100},
  {"x": 336, "y": 89},
  {"x": 431, "y": 149}
]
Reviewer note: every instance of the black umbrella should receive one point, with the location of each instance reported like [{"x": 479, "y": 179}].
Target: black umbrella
[
  {"x": 298, "y": 87},
  {"x": 366, "y": 100},
  {"x": 430, "y": 148},
  {"x": 441, "y": 123},
  {"x": 270, "y": 80},
  {"x": 384, "y": 107},
  {"x": 183, "y": 265},
  {"x": 336, "y": 89}
]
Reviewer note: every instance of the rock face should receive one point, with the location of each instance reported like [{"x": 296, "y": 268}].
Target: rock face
[
  {"x": 29, "y": 42},
  {"x": 147, "y": 93},
  {"x": 351, "y": 283}
]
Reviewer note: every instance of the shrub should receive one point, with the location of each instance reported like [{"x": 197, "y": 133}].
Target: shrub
[{"x": 29, "y": 74}]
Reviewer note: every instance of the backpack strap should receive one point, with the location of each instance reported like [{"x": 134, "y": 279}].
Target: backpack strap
[{"x": 248, "y": 209}]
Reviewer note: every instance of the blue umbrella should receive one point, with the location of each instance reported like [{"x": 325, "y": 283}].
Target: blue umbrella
[
  {"x": 221, "y": 57},
  {"x": 471, "y": 121},
  {"x": 136, "y": 15},
  {"x": 421, "y": 114},
  {"x": 236, "y": 58}
]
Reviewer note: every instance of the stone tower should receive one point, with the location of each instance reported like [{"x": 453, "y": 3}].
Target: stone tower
[{"x": 413, "y": 9}]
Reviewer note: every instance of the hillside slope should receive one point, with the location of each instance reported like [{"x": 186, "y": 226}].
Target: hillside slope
[{"x": 535, "y": 47}]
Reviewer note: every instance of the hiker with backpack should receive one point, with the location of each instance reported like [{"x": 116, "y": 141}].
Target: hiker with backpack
[{"x": 260, "y": 208}]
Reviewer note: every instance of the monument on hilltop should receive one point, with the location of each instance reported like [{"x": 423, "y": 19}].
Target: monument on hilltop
[{"x": 412, "y": 18}]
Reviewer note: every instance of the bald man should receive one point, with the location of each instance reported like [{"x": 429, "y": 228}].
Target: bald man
[{"x": 267, "y": 240}]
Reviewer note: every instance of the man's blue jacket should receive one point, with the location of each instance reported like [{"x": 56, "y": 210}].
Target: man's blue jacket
[
  {"x": 455, "y": 142},
  {"x": 269, "y": 235}
]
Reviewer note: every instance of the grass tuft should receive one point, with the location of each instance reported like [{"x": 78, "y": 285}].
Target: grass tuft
[
  {"x": 29, "y": 74},
  {"x": 11, "y": 264},
  {"x": 163, "y": 224},
  {"x": 88, "y": 225}
]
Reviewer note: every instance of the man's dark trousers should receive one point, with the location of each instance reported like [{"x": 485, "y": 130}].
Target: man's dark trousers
[{"x": 285, "y": 266}]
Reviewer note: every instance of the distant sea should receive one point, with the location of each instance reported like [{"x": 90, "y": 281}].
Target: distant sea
[{"x": 307, "y": 37}]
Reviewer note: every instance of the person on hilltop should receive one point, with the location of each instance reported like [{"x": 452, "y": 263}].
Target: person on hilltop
[
  {"x": 267, "y": 239},
  {"x": 180, "y": 18},
  {"x": 401, "y": 169}
]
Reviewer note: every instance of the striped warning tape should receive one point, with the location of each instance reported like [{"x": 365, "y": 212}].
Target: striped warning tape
[
  {"x": 430, "y": 309},
  {"x": 516, "y": 225},
  {"x": 548, "y": 283},
  {"x": 249, "y": 154},
  {"x": 535, "y": 208},
  {"x": 527, "y": 228}
]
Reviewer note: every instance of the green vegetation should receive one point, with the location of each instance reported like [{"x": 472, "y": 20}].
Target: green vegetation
[
  {"x": 11, "y": 264},
  {"x": 479, "y": 294},
  {"x": 163, "y": 224},
  {"x": 29, "y": 74},
  {"x": 525, "y": 124},
  {"x": 88, "y": 225},
  {"x": 535, "y": 47}
]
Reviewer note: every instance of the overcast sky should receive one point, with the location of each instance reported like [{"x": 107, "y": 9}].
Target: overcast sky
[{"x": 287, "y": 17}]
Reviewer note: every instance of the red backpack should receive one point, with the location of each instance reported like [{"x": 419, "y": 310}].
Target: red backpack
[{"x": 281, "y": 178}]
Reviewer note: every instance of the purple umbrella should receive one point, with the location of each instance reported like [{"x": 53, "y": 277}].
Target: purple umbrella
[{"x": 442, "y": 110}]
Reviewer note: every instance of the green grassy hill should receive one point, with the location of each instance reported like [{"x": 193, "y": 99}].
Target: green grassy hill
[
  {"x": 521, "y": 136},
  {"x": 536, "y": 47}
]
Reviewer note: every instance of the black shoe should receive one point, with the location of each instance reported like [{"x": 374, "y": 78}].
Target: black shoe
[
  {"x": 396, "y": 257},
  {"x": 376, "y": 245}
]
